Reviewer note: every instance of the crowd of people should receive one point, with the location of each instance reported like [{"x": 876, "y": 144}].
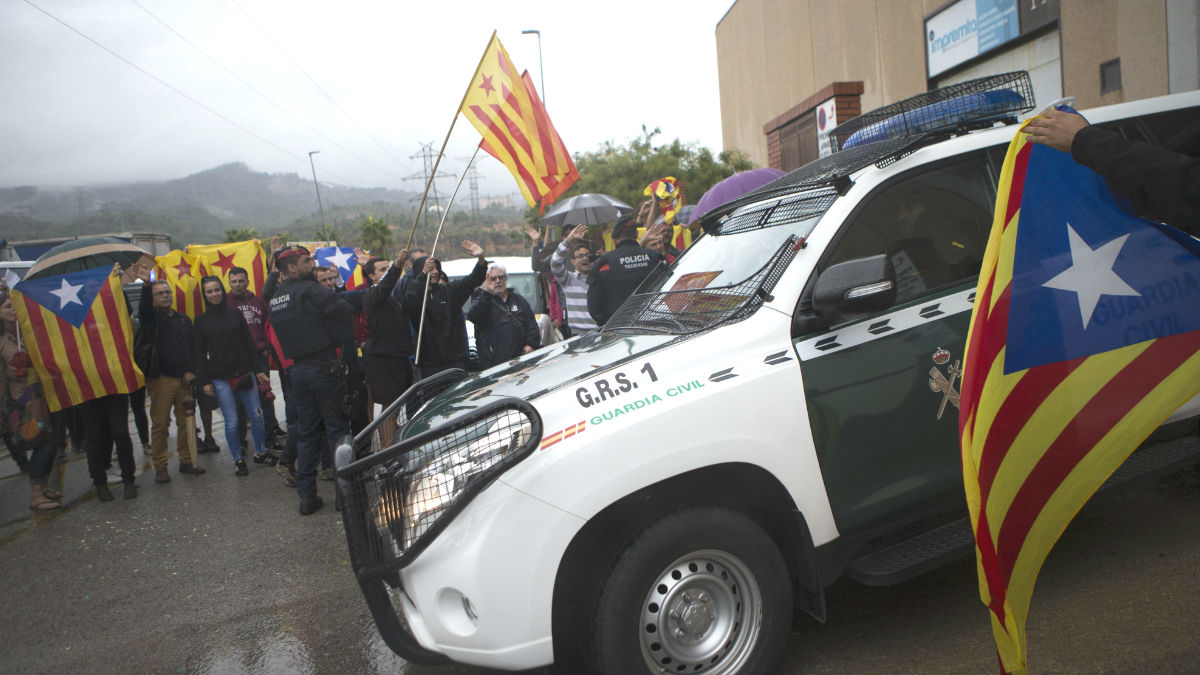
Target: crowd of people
[{"x": 407, "y": 323}]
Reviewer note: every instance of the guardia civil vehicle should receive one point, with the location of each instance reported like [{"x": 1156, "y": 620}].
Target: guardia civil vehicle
[{"x": 776, "y": 409}]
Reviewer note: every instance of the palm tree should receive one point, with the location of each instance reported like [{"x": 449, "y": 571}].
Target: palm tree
[
  {"x": 240, "y": 234},
  {"x": 375, "y": 236}
]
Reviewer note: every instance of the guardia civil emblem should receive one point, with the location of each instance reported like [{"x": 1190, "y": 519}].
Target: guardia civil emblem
[{"x": 944, "y": 382}]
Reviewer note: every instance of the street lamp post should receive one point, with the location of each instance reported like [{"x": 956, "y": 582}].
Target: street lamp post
[
  {"x": 541, "y": 71},
  {"x": 324, "y": 227}
]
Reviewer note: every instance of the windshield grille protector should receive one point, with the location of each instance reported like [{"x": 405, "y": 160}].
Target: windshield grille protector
[
  {"x": 782, "y": 212},
  {"x": 687, "y": 311},
  {"x": 396, "y": 501},
  {"x": 820, "y": 173}
]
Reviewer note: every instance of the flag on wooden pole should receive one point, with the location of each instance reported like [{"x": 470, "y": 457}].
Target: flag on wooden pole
[{"x": 505, "y": 108}]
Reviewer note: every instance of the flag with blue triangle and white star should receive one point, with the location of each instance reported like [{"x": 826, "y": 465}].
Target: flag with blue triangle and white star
[
  {"x": 1084, "y": 337},
  {"x": 344, "y": 261},
  {"x": 79, "y": 335}
]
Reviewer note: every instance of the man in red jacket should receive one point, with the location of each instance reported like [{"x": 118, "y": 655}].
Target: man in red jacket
[{"x": 254, "y": 309}]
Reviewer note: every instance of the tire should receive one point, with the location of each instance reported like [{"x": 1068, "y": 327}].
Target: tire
[{"x": 703, "y": 591}]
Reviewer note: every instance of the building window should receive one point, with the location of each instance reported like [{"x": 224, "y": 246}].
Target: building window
[{"x": 1110, "y": 76}]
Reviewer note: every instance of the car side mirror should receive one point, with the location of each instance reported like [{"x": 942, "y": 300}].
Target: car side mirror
[{"x": 855, "y": 287}]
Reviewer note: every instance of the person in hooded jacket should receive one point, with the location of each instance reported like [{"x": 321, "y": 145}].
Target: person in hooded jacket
[
  {"x": 443, "y": 340},
  {"x": 504, "y": 324},
  {"x": 227, "y": 367}
]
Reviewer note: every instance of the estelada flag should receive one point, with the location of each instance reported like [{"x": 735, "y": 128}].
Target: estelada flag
[
  {"x": 183, "y": 272},
  {"x": 669, "y": 195},
  {"x": 505, "y": 108},
  {"x": 79, "y": 336},
  {"x": 344, "y": 260},
  {"x": 220, "y": 258},
  {"x": 1084, "y": 338}
]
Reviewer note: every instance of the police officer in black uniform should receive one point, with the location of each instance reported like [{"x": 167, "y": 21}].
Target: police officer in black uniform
[
  {"x": 616, "y": 274},
  {"x": 309, "y": 320}
]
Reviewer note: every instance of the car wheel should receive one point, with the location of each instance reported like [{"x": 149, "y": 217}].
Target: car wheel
[{"x": 703, "y": 590}]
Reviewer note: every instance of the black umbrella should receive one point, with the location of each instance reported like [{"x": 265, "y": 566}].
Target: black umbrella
[
  {"x": 85, "y": 254},
  {"x": 586, "y": 209}
]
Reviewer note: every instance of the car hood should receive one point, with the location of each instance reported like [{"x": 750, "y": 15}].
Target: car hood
[{"x": 560, "y": 365}]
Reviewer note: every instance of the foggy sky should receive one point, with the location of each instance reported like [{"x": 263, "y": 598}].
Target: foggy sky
[{"x": 370, "y": 83}]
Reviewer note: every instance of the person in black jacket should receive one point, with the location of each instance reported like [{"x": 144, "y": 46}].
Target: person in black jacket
[
  {"x": 165, "y": 351},
  {"x": 389, "y": 341},
  {"x": 505, "y": 327},
  {"x": 1159, "y": 183},
  {"x": 616, "y": 274},
  {"x": 310, "y": 321},
  {"x": 226, "y": 367},
  {"x": 442, "y": 343}
]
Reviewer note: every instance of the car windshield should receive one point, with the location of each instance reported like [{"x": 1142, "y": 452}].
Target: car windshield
[{"x": 722, "y": 276}]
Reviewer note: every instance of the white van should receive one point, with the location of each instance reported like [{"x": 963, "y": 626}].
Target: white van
[{"x": 658, "y": 496}]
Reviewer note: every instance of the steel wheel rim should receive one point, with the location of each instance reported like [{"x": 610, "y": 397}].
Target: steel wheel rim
[{"x": 702, "y": 614}]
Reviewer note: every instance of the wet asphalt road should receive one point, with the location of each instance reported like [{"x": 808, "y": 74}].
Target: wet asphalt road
[{"x": 219, "y": 574}]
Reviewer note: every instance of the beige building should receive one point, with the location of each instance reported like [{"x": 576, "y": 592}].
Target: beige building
[{"x": 791, "y": 69}]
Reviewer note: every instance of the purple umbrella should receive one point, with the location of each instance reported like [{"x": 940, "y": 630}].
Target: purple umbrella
[{"x": 733, "y": 187}]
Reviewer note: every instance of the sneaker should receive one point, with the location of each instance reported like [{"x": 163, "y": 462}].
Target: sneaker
[
  {"x": 208, "y": 445},
  {"x": 241, "y": 468},
  {"x": 265, "y": 458},
  {"x": 103, "y": 493},
  {"x": 326, "y": 473},
  {"x": 287, "y": 472},
  {"x": 188, "y": 468},
  {"x": 130, "y": 490},
  {"x": 310, "y": 505}
]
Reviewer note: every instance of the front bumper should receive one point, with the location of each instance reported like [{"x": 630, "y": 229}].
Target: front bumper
[{"x": 427, "y": 611}]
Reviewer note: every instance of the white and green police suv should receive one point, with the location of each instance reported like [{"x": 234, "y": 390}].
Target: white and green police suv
[{"x": 775, "y": 410}]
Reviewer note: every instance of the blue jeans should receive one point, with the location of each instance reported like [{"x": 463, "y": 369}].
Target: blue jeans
[
  {"x": 249, "y": 397},
  {"x": 318, "y": 398}
]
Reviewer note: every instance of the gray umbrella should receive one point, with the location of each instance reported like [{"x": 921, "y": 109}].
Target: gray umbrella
[{"x": 586, "y": 209}]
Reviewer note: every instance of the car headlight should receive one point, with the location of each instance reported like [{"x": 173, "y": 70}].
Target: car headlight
[{"x": 448, "y": 471}]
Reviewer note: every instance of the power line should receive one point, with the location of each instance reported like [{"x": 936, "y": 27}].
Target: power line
[
  {"x": 163, "y": 82},
  {"x": 427, "y": 155},
  {"x": 317, "y": 86},
  {"x": 473, "y": 183},
  {"x": 260, "y": 94}
]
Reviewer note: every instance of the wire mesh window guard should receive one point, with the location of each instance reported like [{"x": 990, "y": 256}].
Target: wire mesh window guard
[{"x": 683, "y": 312}]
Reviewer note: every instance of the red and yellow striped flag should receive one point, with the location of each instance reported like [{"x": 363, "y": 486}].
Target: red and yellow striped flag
[
  {"x": 504, "y": 107},
  {"x": 220, "y": 258},
  {"x": 79, "y": 336},
  {"x": 183, "y": 272},
  {"x": 1080, "y": 346}
]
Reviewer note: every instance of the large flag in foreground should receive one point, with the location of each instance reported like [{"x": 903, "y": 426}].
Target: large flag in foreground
[
  {"x": 183, "y": 272},
  {"x": 220, "y": 258},
  {"x": 1083, "y": 340},
  {"x": 346, "y": 263},
  {"x": 504, "y": 107},
  {"x": 79, "y": 335}
]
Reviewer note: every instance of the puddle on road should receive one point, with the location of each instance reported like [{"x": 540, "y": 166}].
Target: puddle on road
[{"x": 290, "y": 639}]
